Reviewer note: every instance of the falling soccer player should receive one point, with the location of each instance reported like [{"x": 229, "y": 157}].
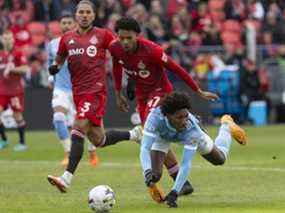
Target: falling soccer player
[{"x": 173, "y": 122}]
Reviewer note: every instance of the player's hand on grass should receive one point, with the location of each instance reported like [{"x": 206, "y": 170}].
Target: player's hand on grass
[
  {"x": 122, "y": 102},
  {"x": 53, "y": 69},
  {"x": 171, "y": 199},
  {"x": 208, "y": 95}
]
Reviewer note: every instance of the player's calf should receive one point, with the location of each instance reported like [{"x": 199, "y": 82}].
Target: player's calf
[{"x": 187, "y": 189}]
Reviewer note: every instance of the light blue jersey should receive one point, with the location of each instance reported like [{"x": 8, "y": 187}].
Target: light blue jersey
[
  {"x": 158, "y": 134},
  {"x": 62, "y": 78}
]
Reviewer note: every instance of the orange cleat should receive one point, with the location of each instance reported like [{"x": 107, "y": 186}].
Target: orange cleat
[
  {"x": 93, "y": 158},
  {"x": 236, "y": 131},
  {"x": 156, "y": 193}
]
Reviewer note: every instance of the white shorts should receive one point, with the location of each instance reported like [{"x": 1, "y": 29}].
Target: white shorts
[
  {"x": 161, "y": 145},
  {"x": 65, "y": 100},
  {"x": 205, "y": 145},
  {"x": 62, "y": 98}
]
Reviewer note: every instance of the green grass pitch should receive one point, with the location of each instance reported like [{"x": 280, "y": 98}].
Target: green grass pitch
[{"x": 253, "y": 179}]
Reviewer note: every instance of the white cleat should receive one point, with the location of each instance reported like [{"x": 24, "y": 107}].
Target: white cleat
[
  {"x": 58, "y": 182},
  {"x": 136, "y": 134}
]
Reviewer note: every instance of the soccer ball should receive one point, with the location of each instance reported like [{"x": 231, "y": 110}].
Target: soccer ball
[{"x": 101, "y": 198}]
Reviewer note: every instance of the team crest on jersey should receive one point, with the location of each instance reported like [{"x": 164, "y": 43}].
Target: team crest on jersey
[
  {"x": 164, "y": 57},
  {"x": 141, "y": 65},
  {"x": 71, "y": 42},
  {"x": 91, "y": 50},
  {"x": 143, "y": 73},
  {"x": 93, "y": 40}
]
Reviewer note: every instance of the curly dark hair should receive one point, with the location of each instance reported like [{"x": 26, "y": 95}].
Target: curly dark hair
[
  {"x": 127, "y": 23},
  {"x": 175, "y": 101}
]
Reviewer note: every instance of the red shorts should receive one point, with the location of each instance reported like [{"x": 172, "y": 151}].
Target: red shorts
[
  {"x": 16, "y": 102},
  {"x": 91, "y": 106},
  {"x": 144, "y": 106}
]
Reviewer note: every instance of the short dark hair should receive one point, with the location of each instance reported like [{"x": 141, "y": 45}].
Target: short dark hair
[
  {"x": 87, "y": 2},
  {"x": 66, "y": 14},
  {"x": 174, "y": 102},
  {"x": 127, "y": 23}
]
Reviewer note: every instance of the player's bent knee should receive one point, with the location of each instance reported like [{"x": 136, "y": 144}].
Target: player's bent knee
[
  {"x": 206, "y": 145},
  {"x": 97, "y": 139},
  {"x": 58, "y": 116}
]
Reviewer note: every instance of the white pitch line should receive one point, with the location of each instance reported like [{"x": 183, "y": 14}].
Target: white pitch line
[{"x": 132, "y": 165}]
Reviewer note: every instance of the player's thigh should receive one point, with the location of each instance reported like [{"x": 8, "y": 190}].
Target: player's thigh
[
  {"x": 141, "y": 106},
  {"x": 210, "y": 151},
  {"x": 159, "y": 150},
  {"x": 4, "y": 103},
  {"x": 145, "y": 106},
  {"x": 18, "y": 116},
  {"x": 96, "y": 135},
  {"x": 91, "y": 107},
  {"x": 16, "y": 103},
  {"x": 153, "y": 102},
  {"x": 81, "y": 125},
  {"x": 170, "y": 159}
]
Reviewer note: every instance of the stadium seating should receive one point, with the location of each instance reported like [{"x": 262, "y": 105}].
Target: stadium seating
[
  {"x": 231, "y": 26},
  {"x": 38, "y": 32},
  {"x": 230, "y": 37},
  {"x": 54, "y": 29}
]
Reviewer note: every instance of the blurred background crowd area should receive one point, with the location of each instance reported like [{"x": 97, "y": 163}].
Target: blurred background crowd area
[{"x": 233, "y": 47}]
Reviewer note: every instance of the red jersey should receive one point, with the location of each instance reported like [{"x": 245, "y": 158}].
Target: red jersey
[
  {"x": 13, "y": 84},
  {"x": 147, "y": 67},
  {"x": 86, "y": 57}
]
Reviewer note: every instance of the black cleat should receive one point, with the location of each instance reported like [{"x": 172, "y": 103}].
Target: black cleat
[{"x": 187, "y": 189}]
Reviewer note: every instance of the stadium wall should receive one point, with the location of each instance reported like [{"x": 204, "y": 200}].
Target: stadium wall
[{"x": 38, "y": 112}]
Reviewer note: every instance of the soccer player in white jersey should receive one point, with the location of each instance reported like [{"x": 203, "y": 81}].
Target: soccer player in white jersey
[
  {"x": 173, "y": 122},
  {"x": 62, "y": 101}
]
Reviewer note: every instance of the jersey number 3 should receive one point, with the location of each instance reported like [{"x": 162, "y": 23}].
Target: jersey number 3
[{"x": 84, "y": 109}]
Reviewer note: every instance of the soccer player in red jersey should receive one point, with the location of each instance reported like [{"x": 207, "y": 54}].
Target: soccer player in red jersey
[
  {"x": 13, "y": 65},
  {"x": 145, "y": 63},
  {"x": 85, "y": 51}
]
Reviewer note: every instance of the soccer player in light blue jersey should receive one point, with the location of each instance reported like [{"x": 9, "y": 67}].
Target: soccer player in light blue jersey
[
  {"x": 62, "y": 101},
  {"x": 173, "y": 122}
]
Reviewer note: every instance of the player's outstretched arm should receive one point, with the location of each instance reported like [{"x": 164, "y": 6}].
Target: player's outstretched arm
[
  {"x": 171, "y": 65},
  {"x": 183, "y": 173},
  {"x": 121, "y": 101},
  {"x": 207, "y": 95}
]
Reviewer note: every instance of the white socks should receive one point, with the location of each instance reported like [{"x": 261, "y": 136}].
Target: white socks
[{"x": 67, "y": 177}]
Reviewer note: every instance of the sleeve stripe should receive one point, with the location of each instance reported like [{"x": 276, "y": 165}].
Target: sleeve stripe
[
  {"x": 149, "y": 134},
  {"x": 190, "y": 147}
]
